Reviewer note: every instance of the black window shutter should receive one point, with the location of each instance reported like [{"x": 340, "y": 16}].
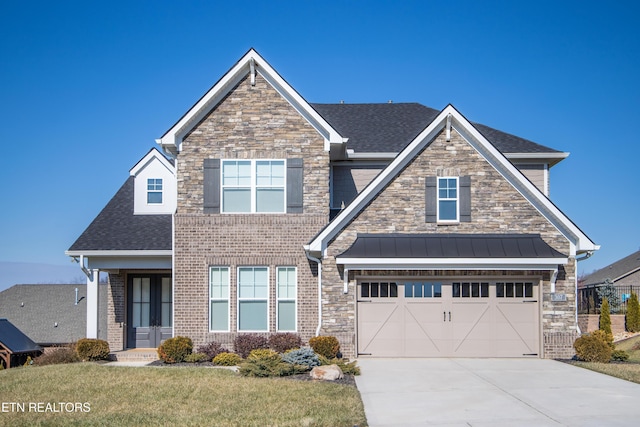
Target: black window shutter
[
  {"x": 431, "y": 199},
  {"x": 465, "y": 198},
  {"x": 295, "y": 185},
  {"x": 211, "y": 190}
]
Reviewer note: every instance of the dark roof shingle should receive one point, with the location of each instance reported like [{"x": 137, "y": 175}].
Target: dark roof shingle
[
  {"x": 117, "y": 228},
  {"x": 385, "y": 128}
]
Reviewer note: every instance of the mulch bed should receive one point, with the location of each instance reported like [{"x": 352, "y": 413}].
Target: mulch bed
[{"x": 348, "y": 379}]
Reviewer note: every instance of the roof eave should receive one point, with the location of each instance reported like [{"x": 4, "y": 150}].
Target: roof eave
[{"x": 454, "y": 263}]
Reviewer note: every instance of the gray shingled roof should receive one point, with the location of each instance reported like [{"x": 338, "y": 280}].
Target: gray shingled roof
[
  {"x": 48, "y": 314},
  {"x": 383, "y": 128},
  {"x": 15, "y": 340},
  {"x": 117, "y": 228},
  {"x": 450, "y": 246},
  {"x": 615, "y": 271}
]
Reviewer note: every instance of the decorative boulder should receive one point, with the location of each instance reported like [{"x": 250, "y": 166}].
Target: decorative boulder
[{"x": 327, "y": 373}]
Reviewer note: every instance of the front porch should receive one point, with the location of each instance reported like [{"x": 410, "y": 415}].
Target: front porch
[{"x": 135, "y": 355}]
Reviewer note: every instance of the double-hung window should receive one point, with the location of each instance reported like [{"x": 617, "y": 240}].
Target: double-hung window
[
  {"x": 448, "y": 210},
  {"x": 253, "y": 186},
  {"x": 253, "y": 299},
  {"x": 154, "y": 191},
  {"x": 286, "y": 290},
  {"x": 219, "y": 299}
]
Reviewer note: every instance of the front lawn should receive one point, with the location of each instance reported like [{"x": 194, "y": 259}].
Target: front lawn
[
  {"x": 629, "y": 370},
  {"x": 92, "y": 394}
]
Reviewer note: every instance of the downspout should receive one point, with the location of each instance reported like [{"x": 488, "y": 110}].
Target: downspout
[
  {"x": 587, "y": 255},
  {"x": 319, "y": 262}
]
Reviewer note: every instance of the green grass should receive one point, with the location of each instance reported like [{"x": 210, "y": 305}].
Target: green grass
[
  {"x": 629, "y": 370},
  {"x": 174, "y": 396}
]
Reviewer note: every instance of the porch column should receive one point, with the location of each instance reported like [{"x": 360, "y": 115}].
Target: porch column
[{"x": 92, "y": 303}]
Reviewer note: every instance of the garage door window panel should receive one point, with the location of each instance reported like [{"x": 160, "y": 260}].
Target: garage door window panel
[
  {"x": 379, "y": 290},
  {"x": 422, "y": 290},
  {"x": 470, "y": 290}
]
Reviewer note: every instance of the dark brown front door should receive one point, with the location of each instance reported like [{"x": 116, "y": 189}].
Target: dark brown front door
[{"x": 149, "y": 310}]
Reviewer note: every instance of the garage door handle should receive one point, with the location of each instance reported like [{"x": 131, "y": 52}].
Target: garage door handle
[
  {"x": 449, "y": 316},
  {"x": 444, "y": 314},
  {"x": 530, "y": 301}
]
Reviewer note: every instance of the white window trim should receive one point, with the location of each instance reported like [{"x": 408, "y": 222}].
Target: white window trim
[
  {"x": 253, "y": 186},
  {"x": 439, "y": 199},
  {"x": 294, "y": 299},
  {"x": 155, "y": 191},
  {"x": 239, "y": 299},
  {"x": 228, "y": 299}
]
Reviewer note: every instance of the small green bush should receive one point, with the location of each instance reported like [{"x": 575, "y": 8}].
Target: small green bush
[
  {"x": 174, "y": 350},
  {"x": 327, "y": 346},
  {"x": 57, "y": 356},
  {"x": 594, "y": 347},
  {"x": 245, "y": 343},
  {"x": 90, "y": 349},
  {"x": 619, "y": 356},
  {"x": 196, "y": 358},
  {"x": 265, "y": 363},
  {"x": 282, "y": 342},
  {"x": 632, "y": 319},
  {"x": 344, "y": 364},
  {"x": 227, "y": 359},
  {"x": 211, "y": 349},
  {"x": 302, "y": 357},
  {"x": 605, "y": 316}
]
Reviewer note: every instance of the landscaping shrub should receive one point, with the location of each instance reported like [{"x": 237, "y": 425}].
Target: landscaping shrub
[
  {"x": 245, "y": 343},
  {"x": 327, "y": 346},
  {"x": 90, "y": 349},
  {"x": 302, "y": 357},
  {"x": 284, "y": 341},
  {"x": 227, "y": 359},
  {"x": 211, "y": 349},
  {"x": 344, "y": 364},
  {"x": 174, "y": 350},
  {"x": 265, "y": 363},
  {"x": 594, "y": 347},
  {"x": 57, "y": 356},
  {"x": 197, "y": 358},
  {"x": 619, "y": 356},
  {"x": 632, "y": 319},
  {"x": 605, "y": 316}
]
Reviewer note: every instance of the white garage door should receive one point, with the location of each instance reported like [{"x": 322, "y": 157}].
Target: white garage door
[{"x": 456, "y": 319}]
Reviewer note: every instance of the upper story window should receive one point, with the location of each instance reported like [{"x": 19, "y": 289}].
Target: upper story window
[
  {"x": 448, "y": 199},
  {"x": 253, "y": 186},
  {"x": 154, "y": 191}
]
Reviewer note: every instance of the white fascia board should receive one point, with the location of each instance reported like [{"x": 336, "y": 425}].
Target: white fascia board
[
  {"x": 352, "y": 155},
  {"x": 453, "y": 263},
  {"x": 173, "y": 137},
  {"x": 579, "y": 241},
  {"x": 151, "y": 155},
  {"x": 121, "y": 253},
  {"x": 550, "y": 158},
  {"x": 319, "y": 243}
]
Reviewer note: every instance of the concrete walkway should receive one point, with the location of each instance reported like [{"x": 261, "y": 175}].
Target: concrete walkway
[{"x": 493, "y": 392}]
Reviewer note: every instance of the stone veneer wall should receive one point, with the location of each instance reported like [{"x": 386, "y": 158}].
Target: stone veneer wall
[
  {"x": 251, "y": 122},
  {"x": 497, "y": 208}
]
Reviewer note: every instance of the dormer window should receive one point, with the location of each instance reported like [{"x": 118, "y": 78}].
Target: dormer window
[{"x": 154, "y": 191}]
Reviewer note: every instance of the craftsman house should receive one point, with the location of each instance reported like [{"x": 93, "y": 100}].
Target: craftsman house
[{"x": 402, "y": 230}]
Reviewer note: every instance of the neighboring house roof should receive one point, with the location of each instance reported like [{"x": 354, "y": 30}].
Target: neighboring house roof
[
  {"x": 48, "y": 314},
  {"x": 447, "y": 118},
  {"x": 116, "y": 228},
  {"x": 15, "y": 340},
  {"x": 388, "y": 128},
  {"x": 616, "y": 271}
]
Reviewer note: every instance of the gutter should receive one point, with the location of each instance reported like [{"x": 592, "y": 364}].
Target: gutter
[{"x": 319, "y": 262}]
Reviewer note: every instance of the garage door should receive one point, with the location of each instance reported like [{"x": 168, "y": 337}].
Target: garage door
[{"x": 456, "y": 319}]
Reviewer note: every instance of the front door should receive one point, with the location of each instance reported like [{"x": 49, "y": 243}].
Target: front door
[{"x": 149, "y": 310}]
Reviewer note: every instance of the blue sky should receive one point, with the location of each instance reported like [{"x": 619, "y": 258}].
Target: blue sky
[{"x": 87, "y": 87}]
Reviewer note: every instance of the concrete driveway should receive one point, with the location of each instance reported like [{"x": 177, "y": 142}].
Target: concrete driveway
[{"x": 493, "y": 392}]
